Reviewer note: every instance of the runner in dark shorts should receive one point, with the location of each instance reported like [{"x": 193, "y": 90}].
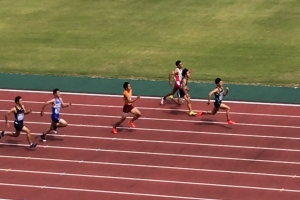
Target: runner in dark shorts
[
  {"x": 219, "y": 94},
  {"x": 183, "y": 92},
  {"x": 19, "y": 112},
  {"x": 127, "y": 108}
]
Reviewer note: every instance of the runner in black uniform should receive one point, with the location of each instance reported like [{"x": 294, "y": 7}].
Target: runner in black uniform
[
  {"x": 183, "y": 91},
  {"x": 19, "y": 112},
  {"x": 219, "y": 93}
]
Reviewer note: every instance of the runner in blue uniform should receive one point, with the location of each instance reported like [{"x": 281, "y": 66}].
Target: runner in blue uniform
[
  {"x": 57, "y": 122},
  {"x": 219, "y": 94},
  {"x": 19, "y": 112}
]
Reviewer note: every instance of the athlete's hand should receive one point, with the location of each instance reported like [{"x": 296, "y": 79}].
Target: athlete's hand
[
  {"x": 7, "y": 124},
  {"x": 170, "y": 83},
  {"x": 29, "y": 111},
  {"x": 138, "y": 97},
  {"x": 227, "y": 89}
]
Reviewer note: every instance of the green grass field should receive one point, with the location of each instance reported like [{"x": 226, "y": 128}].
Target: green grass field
[{"x": 251, "y": 42}]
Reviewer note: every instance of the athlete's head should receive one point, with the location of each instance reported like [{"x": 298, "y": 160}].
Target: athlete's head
[
  {"x": 56, "y": 92},
  {"x": 18, "y": 100},
  {"x": 178, "y": 64},
  {"x": 126, "y": 86},
  {"x": 218, "y": 82},
  {"x": 185, "y": 73}
]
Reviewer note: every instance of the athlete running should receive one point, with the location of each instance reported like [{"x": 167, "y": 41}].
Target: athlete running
[
  {"x": 219, "y": 94},
  {"x": 56, "y": 121},
  {"x": 19, "y": 112}
]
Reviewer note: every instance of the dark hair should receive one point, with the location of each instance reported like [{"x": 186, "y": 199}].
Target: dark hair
[
  {"x": 55, "y": 90},
  {"x": 125, "y": 85},
  {"x": 177, "y": 62},
  {"x": 17, "y": 99},
  {"x": 217, "y": 81},
  {"x": 184, "y": 72}
]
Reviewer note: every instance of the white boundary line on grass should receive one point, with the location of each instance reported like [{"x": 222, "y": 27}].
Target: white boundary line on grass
[{"x": 144, "y": 97}]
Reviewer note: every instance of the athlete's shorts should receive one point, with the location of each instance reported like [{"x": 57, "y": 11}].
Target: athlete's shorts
[
  {"x": 18, "y": 125},
  {"x": 176, "y": 86},
  {"x": 217, "y": 104},
  {"x": 127, "y": 108},
  {"x": 180, "y": 93},
  {"x": 55, "y": 118}
]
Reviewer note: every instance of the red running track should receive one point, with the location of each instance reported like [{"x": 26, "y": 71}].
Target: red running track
[{"x": 170, "y": 155}]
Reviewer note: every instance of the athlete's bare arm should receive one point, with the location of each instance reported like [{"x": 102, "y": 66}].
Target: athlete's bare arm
[
  {"x": 13, "y": 110},
  {"x": 64, "y": 105},
  {"x": 26, "y": 112},
  {"x": 210, "y": 94},
  {"x": 130, "y": 101},
  {"x": 226, "y": 92},
  {"x": 45, "y": 104},
  {"x": 184, "y": 87},
  {"x": 172, "y": 74}
]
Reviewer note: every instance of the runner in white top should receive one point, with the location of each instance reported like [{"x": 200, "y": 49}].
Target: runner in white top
[{"x": 177, "y": 73}]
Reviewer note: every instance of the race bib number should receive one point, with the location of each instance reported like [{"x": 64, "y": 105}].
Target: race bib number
[{"x": 20, "y": 117}]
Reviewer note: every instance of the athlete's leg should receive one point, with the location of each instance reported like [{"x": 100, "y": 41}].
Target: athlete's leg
[
  {"x": 123, "y": 117},
  {"x": 169, "y": 94},
  {"x": 27, "y": 131},
  {"x": 61, "y": 123},
  {"x": 213, "y": 112},
  {"x": 52, "y": 127},
  {"x": 137, "y": 114},
  {"x": 227, "y": 109},
  {"x": 189, "y": 104},
  {"x": 12, "y": 134}
]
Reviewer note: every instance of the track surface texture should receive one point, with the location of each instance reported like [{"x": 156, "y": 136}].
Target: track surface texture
[{"x": 169, "y": 155}]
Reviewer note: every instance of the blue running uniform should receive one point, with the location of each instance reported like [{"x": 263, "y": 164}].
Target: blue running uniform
[{"x": 56, "y": 109}]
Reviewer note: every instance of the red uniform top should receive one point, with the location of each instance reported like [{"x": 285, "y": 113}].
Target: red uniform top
[{"x": 177, "y": 81}]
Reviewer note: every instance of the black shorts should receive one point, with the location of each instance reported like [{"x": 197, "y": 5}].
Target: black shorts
[
  {"x": 127, "y": 108},
  {"x": 18, "y": 125},
  {"x": 217, "y": 104},
  {"x": 180, "y": 93}
]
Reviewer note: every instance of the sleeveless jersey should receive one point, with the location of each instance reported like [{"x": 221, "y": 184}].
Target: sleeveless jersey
[
  {"x": 56, "y": 106},
  {"x": 179, "y": 74},
  {"x": 186, "y": 83},
  {"x": 128, "y": 95},
  {"x": 219, "y": 95},
  {"x": 19, "y": 116}
]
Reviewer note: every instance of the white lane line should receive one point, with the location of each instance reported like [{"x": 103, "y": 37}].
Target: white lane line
[
  {"x": 165, "y": 109},
  {"x": 181, "y": 120},
  {"x": 177, "y": 143},
  {"x": 151, "y": 180},
  {"x": 155, "y": 153},
  {"x": 148, "y": 166},
  {"x": 100, "y": 191},
  {"x": 169, "y": 130},
  {"x": 144, "y": 97}
]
